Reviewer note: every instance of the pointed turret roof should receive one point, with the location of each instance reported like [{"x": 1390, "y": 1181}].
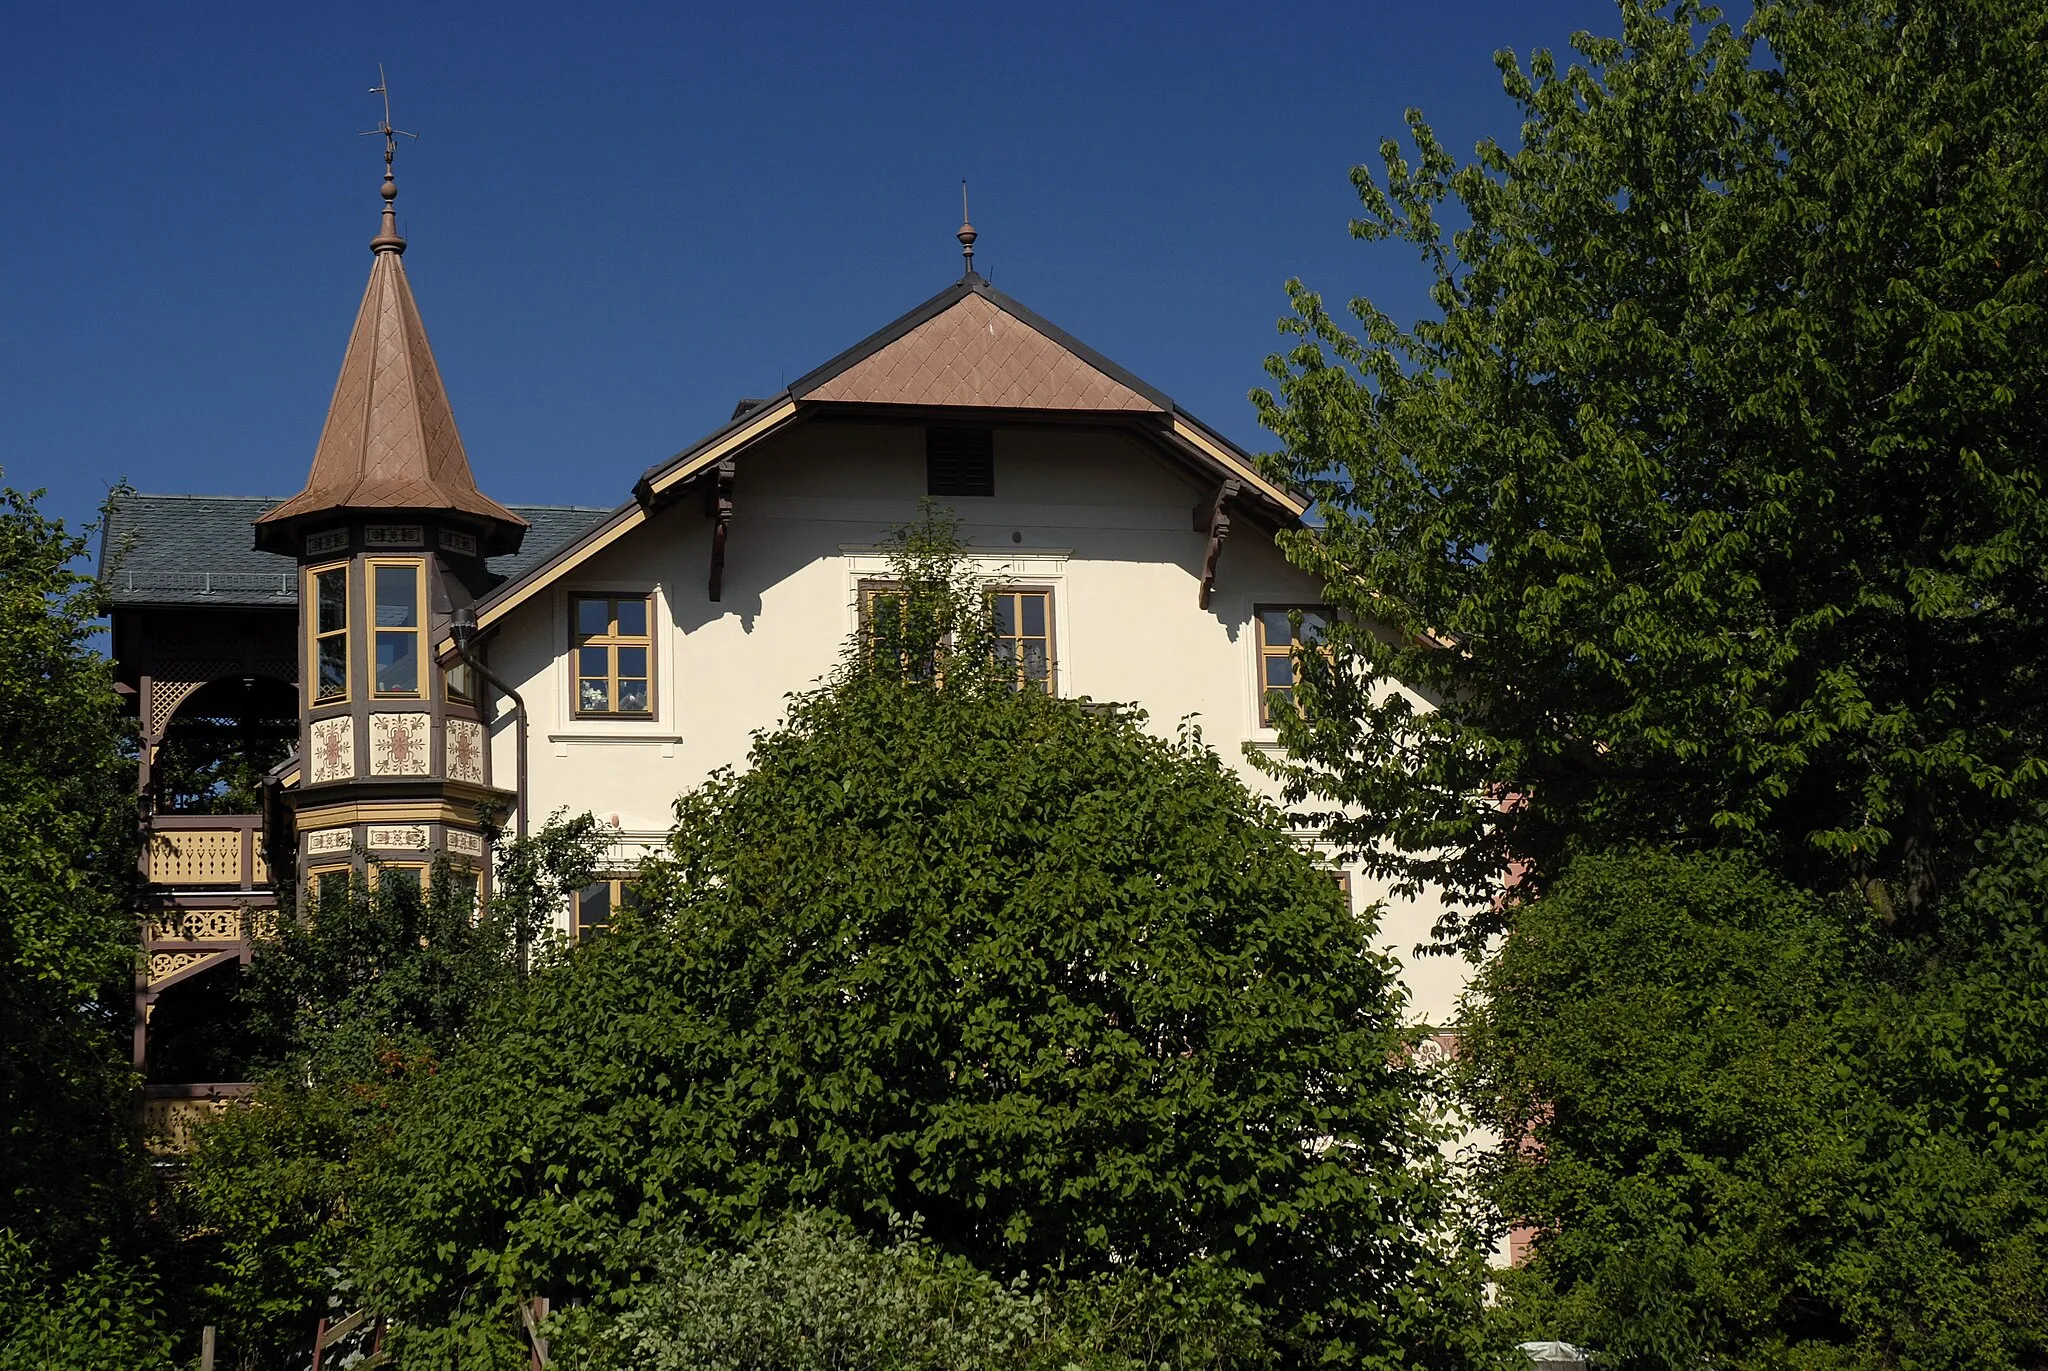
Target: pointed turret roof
[{"x": 390, "y": 441}]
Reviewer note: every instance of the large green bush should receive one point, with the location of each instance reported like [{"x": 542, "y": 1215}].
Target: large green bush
[
  {"x": 1755, "y": 1131},
  {"x": 1060, "y": 990},
  {"x": 106, "y": 1313},
  {"x": 809, "y": 1294}
]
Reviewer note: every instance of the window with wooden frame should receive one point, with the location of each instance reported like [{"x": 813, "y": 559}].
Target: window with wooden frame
[
  {"x": 885, "y": 629},
  {"x": 595, "y": 904},
  {"x": 412, "y": 875},
  {"x": 1285, "y": 631},
  {"x": 613, "y": 652},
  {"x": 327, "y": 594},
  {"x": 398, "y": 592},
  {"x": 1023, "y": 635},
  {"x": 458, "y": 683},
  {"x": 327, "y": 887}
]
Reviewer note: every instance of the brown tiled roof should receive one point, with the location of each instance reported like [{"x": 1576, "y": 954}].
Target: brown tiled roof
[
  {"x": 974, "y": 354},
  {"x": 390, "y": 440}
]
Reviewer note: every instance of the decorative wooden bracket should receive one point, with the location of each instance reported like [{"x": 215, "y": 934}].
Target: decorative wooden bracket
[
  {"x": 718, "y": 508},
  {"x": 1212, "y": 516}
]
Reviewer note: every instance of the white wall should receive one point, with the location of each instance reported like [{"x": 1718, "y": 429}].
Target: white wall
[{"x": 1104, "y": 522}]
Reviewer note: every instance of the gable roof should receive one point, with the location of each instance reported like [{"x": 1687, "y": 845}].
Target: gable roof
[
  {"x": 390, "y": 441},
  {"x": 195, "y": 550},
  {"x": 971, "y": 346},
  {"x": 968, "y": 347},
  {"x": 974, "y": 354}
]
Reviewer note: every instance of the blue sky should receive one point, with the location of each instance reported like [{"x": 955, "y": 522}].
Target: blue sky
[{"x": 623, "y": 219}]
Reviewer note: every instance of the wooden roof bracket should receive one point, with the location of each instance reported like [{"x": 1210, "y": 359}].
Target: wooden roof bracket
[
  {"x": 1212, "y": 516},
  {"x": 718, "y": 508}
]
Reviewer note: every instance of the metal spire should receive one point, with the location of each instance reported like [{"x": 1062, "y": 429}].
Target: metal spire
[
  {"x": 966, "y": 235},
  {"x": 387, "y": 239}
]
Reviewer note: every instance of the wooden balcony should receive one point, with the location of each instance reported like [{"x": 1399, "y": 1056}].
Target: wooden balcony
[
  {"x": 206, "y": 852},
  {"x": 169, "y": 1112}
]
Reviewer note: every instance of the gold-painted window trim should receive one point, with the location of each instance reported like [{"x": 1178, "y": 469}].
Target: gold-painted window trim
[
  {"x": 418, "y": 567},
  {"x": 611, "y": 641},
  {"x": 1019, "y": 638},
  {"x": 316, "y": 877},
  {"x": 311, "y": 594},
  {"x": 1289, "y": 650},
  {"x": 617, "y": 893}
]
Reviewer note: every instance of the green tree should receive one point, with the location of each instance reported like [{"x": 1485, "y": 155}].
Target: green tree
[
  {"x": 1062, "y": 991},
  {"x": 351, "y": 1003},
  {"x": 1709, "y": 508},
  {"x": 68, "y": 1169},
  {"x": 1756, "y": 1131}
]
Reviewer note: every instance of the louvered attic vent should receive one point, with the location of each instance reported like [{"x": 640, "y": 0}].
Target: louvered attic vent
[{"x": 960, "y": 461}]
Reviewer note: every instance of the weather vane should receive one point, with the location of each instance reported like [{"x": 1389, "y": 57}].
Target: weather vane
[
  {"x": 388, "y": 239},
  {"x": 391, "y": 135}
]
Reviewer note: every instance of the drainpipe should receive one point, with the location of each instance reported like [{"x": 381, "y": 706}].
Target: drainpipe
[{"x": 462, "y": 628}]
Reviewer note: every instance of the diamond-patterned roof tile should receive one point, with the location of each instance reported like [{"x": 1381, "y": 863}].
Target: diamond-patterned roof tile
[
  {"x": 390, "y": 440},
  {"x": 975, "y": 354}
]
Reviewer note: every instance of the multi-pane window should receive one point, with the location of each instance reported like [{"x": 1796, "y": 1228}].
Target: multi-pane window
[
  {"x": 1281, "y": 643},
  {"x": 1023, "y": 634},
  {"x": 596, "y": 902},
  {"x": 327, "y": 887},
  {"x": 895, "y": 628},
  {"x": 330, "y": 635},
  {"x": 397, "y": 590},
  {"x": 407, "y": 874},
  {"x": 614, "y": 653}
]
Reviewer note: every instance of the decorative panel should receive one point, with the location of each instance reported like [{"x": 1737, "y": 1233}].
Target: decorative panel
[
  {"x": 399, "y": 744},
  {"x": 466, "y": 751},
  {"x": 465, "y": 844},
  {"x": 329, "y": 840},
  {"x": 458, "y": 542},
  {"x": 334, "y": 750},
  {"x": 393, "y": 535},
  {"x": 196, "y": 926},
  {"x": 410, "y": 837},
  {"x": 164, "y": 965},
  {"x": 326, "y": 544},
  {"x": 196, "y": 856}
]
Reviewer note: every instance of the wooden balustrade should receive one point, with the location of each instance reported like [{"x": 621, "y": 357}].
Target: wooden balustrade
[{"x": 187, "y": 851}]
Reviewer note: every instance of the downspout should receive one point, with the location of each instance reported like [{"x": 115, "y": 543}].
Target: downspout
[{"x": 462, "y": 628}]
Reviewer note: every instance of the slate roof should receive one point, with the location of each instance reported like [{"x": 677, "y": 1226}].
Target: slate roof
[{"x": 197, "y": 549}]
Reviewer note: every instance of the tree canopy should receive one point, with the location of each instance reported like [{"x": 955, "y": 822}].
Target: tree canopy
[
  {"x": 67, "y": 941},
  {"x": 1709, "y": 510},
  {"x": 1757, "y": 1131},
  {"x": 1059, "y": 989}
]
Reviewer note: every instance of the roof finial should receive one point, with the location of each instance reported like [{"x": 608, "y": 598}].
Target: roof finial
[
  {"x": 387, "y": 239},
  {"x": 966, "y": 235}
]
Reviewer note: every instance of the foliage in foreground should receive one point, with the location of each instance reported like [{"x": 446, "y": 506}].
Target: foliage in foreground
[
  {"x": 68, "y": 1172},
  {"x": 105, "y": 1314},
  {"x": 357, "y": 1001},
  {"x": 1758, "y": 1132},
  {"x": 1710, "y": 511},
  {"x": 1059, "y": 990},
  {"x": 809, "y": 1294}
]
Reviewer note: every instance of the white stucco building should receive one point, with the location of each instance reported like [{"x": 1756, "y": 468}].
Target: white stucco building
[{"x": 648, "y": 633}]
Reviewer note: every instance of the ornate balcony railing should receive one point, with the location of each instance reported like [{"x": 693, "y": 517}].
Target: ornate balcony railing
[{"x": 206, "y": 851}]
